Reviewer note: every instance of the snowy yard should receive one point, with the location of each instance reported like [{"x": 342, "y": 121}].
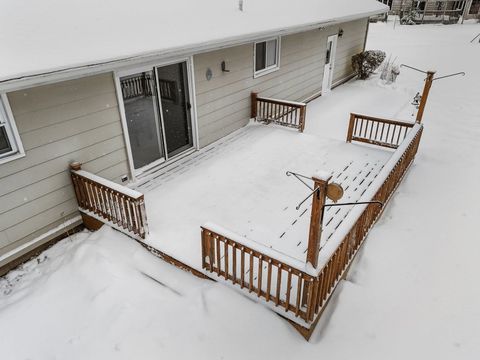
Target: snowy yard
[{"x": 411, "y": 293}]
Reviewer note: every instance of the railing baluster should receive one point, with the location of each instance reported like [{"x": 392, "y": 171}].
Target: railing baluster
[
  {"x": 279, "y": 284},
  {"x": 225, "y": 256},
  {"x": 250, "y": 282},
  {"x": 269, "y": 280},
  {"x": 299, "y": 295},
  {"x": 259, "y": 275},
  {"x": 217, "y": 242},
  {"x": 242, "y": 266},
  {"x": 289, "y": 284},
  {"x": 234, "y": 262}
]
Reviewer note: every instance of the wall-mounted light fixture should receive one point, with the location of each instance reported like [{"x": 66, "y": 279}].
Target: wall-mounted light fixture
[
  {"x": 224, "y": 67},
  {"x": 340, "y": 33}
]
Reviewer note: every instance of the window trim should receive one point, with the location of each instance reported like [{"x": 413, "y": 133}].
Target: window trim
[
  {"x": 271, "y": 68},
  {"x": 12, "y": 132}
]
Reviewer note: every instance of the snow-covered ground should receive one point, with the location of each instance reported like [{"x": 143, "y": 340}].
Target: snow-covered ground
[{"x": 411, "y": 293}]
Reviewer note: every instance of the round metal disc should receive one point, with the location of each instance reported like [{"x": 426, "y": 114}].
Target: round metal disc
[{"x": 334, "y": 192}]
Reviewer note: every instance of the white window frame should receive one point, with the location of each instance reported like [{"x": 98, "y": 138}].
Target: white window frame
[
  {"x": 7, "y": 121},
  {"x": 271, "y": 68}
]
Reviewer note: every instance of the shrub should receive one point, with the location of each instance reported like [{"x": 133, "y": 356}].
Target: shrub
[
  {"x": 367, "y": 62},
  {"x": 409, "y": 17}
]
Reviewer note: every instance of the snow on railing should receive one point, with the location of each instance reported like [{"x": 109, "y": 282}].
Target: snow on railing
[
  {"x": 108, "y": 202},
  {"x": 281, "y": 112},
  {"x": 293, "y": 288}
]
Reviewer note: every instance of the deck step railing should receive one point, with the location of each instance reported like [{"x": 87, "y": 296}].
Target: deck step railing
[
  {"x": 109, "y": 202},
  {"x": 290, "y": 287},
  {"x": 282, "y": 112},
  {"x": 377, "y": 131}
]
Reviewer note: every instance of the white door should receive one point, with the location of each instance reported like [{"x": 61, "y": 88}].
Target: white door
[{"x": 329, "y": 64}]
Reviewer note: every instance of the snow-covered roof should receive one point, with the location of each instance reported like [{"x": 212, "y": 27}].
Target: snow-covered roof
[{"x": 38, "y": 37}]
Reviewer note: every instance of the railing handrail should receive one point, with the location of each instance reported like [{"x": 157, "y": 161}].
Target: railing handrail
[
  {"x": 104, "y": 201},
  {"x": 281, "y": 112},
  {"x": 281, "y": 102},
  {"x": 133, "y": 194},
  {"x": 382, "y": 120},
  {"x": 352, "y": 217},
  {"x": 266, "y": 251}
]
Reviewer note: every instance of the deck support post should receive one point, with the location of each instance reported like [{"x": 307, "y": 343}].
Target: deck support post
[
  {"x": 426, "y": 91},
  {"x": 316, "y": 219},
  {"x": 253, "y": 100}
]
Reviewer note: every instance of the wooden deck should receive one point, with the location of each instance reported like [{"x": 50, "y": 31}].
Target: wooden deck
[
  {"x": 241, "y": 183},
  {"x": 260, "y": 227}
]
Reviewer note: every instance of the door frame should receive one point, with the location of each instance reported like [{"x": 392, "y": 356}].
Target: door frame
[
  {"x": 117, "y": 74},
  {"x": 333, "y": 57}
]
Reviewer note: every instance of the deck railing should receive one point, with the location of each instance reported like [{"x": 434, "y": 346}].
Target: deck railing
[
  {"x": 136, "y": 86},
  {"x": 271, "y": 277},
  {"x": 377, "y": 131},
  {"x": 292, "y": 288},
  {"x": 281, "y": 112},
  {"x": 109, "y": 202}
]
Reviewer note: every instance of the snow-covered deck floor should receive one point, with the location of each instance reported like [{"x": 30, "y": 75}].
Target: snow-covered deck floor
[{"x": 240, "y": 183}]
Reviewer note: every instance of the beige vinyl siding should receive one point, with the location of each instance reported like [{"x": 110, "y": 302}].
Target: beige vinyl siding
[
  {"x": 76, "y": 120},
  {"x": 352, "y": 42},
  {"x": 223, "y": 103}
]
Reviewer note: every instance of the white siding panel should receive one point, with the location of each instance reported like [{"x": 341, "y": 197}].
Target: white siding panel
[
  {"x": 223, "y": 103},
  {"x": 76, "y": 120}
]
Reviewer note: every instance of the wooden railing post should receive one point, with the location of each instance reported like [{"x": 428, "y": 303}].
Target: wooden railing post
[
  {"x": 350, "y": 127},
  {"x": 253, "y": 99},
  {"x": 316, "y": 219},
  {"x": 75, "y": 166},
  {"x": 303, "y": 110},
  {"x": 426, "y": 91}
]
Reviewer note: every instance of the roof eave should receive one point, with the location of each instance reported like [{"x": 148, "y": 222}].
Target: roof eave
[{"x": 47, "y": 76}]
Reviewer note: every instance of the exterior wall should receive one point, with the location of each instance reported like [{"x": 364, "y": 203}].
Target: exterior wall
[
  {"x": 223, "y": 103},
  {"x": 79, "y": 120},
  {"x": 75, "y": 120}
]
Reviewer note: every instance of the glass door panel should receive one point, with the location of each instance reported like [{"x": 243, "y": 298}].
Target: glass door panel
[
  {"x": 172, "y": 84},
  {"x": 141, "y": 112}
]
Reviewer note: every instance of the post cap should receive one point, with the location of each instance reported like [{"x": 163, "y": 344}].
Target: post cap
[
  {"x": 321, "y": 175},
  {"x": 75, "y": 166}
]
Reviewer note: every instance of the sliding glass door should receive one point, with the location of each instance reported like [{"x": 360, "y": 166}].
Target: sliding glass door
[
  {"x": 157, "y": 111},
  {"x": 173, "y": 88}
]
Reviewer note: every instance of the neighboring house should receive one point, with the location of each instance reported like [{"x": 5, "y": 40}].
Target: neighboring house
[
  {"x": 127, "y": 88},
  {"x": 436, "y": 10}
]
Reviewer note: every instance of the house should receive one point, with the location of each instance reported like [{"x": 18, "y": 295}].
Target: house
[
  {"x": 129, "y": 90},
  {"x": 430, "y": 11}
]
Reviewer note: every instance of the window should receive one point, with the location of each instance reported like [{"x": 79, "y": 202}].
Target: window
[
  {"x": 10, "y": 145},
  {"x": 267, "y": 54}
]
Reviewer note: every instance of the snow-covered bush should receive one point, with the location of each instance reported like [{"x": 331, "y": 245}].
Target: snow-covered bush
[
  {"x": 367, "y": 62},
  {"x": 409, "y": 17}
]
